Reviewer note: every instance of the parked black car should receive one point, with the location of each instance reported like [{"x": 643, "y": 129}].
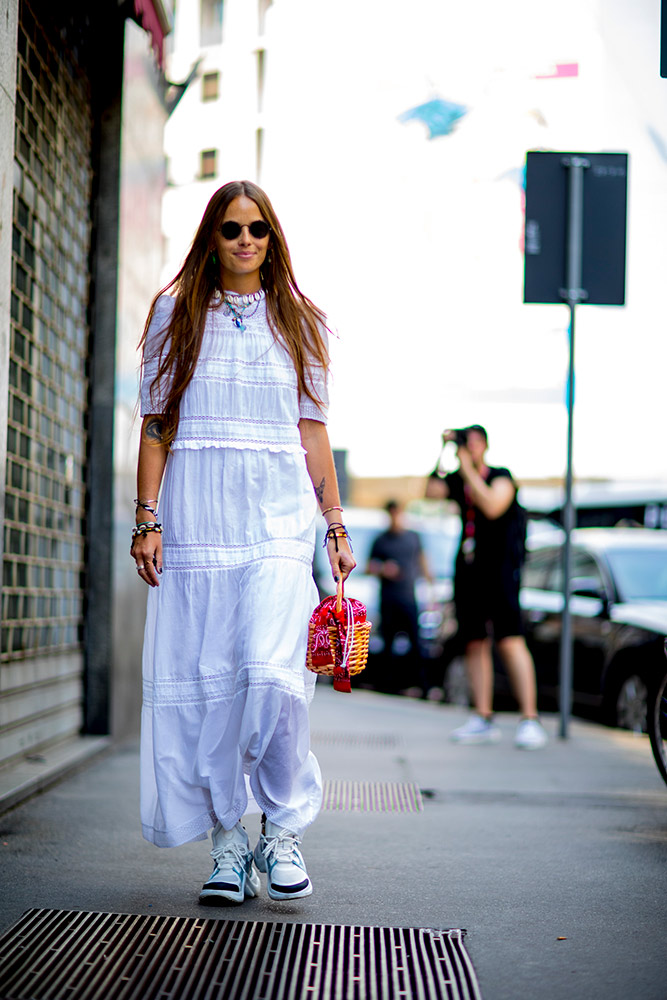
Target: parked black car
[
  {"x": 657, "y": 720},
  {"x": 619, "y": 619}
]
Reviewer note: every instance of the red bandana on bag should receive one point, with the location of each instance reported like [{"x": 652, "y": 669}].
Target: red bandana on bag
[{"x": 323, "y": 617}]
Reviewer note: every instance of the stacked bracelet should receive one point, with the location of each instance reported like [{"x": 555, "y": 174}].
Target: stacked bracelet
[
  {"x": 145, "y": 529},
  {"x": 145, "y": 505},
  {"x": 336, "y": 531}
]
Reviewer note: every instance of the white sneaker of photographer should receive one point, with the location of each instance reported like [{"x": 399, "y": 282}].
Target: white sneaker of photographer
[
  {"x": 476, "y": 730},
  {"x": 530, "y": 735}
]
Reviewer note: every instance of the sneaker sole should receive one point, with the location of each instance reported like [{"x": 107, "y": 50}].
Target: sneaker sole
[
  {"x": 476, "y": 740},
  {"x": 212, "y": 898},
  {"x": 275, "y": 894},
  {"x": 226, "y": 897}
]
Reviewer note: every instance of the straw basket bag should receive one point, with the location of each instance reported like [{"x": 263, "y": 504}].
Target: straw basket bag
[{"x": 338, "y": 636}]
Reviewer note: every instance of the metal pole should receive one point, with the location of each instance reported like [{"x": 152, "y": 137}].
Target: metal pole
[
  {"x": 572, "y": 294},
  {"x": 565, "y": 669}
]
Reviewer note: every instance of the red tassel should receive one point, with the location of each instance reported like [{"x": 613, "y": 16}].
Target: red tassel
[{"x": 341, "y": 680}]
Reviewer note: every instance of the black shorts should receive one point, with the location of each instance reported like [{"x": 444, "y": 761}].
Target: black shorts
[{"x": 487, "y": 602}]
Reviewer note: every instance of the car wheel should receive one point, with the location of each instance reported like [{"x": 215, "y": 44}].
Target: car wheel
[
  {"x": 657, "y": 726},
  {"x": 632, "y": 703},
  {"x": 455, "y": 683}
]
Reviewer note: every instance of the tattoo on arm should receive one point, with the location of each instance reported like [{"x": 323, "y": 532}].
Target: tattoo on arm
[
  {"x": 153, "y": 429},
  {"x": 319, "y": 490}
]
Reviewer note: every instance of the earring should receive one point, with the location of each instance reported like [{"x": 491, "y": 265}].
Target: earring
[{"x": 213, "y": 258}]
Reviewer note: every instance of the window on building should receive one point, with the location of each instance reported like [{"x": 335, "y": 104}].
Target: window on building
[
  {"x": 210, "y": 86},
  {"x": 260, "y": 78},
  {"x": 262, "y": 9},
  {"x": 210, "y": 22},
  {"x": 209, "y": 163},
  {"x": 259, "y": 150}
]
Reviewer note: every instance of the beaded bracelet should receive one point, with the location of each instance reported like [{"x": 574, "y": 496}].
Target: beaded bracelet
[
  {"x": 146, "y": 528},
  {"x": 336, "y": 531}
]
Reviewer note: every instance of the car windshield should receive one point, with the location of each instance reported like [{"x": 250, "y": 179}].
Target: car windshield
[
  {"x": 440, "y": 552},
  {"x": 640, "y": 574}
]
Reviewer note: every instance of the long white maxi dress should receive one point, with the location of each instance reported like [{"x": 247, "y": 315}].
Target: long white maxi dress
[{"x": 225, "y": 689}]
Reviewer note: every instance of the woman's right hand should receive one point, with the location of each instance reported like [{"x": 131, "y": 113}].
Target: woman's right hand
[{"x": 147, "y": 554}]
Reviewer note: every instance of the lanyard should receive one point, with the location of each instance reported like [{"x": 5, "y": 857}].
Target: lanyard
[{"x": 468, "y": 544}]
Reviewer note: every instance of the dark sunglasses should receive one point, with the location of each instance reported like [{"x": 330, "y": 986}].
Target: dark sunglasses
[{"x": 232, "y": 230}]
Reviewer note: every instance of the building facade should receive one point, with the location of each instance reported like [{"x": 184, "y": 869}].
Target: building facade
[
  {"x": 61, "y": 89},
  {"x": 215, "y": 58}
]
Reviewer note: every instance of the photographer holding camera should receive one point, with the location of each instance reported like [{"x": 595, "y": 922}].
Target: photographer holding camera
[{"x": 486, "y": 586}]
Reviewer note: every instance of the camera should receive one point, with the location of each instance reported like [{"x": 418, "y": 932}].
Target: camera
[{"x": 461, "y": 436}]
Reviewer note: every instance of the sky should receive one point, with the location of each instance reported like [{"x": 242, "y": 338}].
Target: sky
[{"x": 413, "y": 245}]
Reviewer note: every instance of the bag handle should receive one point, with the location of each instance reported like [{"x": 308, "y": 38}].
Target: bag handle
[{"x": 339, "y": 595}]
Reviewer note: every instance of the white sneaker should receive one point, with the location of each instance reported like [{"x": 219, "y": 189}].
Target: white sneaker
[
  {"x": 277, "y": 853},
  {"x": 234, "y": 876},
  {"x": 476, "y": 730},
  {"x": 530, "y": 735}
]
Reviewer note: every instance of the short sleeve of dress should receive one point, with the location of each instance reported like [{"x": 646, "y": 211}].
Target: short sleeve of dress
[
  {"x": 318, "y": 381},
  {"x": 151, "y": 401}
]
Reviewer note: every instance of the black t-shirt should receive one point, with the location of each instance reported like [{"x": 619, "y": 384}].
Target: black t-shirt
[
  {"x": 404, "y": 547},
  {"x": 499, "y": 541}
]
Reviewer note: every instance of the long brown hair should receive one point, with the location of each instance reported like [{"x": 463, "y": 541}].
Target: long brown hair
[{"x": 294, "y": 320}]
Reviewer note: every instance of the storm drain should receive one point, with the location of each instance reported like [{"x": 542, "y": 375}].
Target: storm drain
[
  {"x": 379, "y": 741},
  {"x": 58, "y": 954},
  {"x": 372, "y": 796}
]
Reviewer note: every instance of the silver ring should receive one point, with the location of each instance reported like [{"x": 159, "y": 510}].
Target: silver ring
[{"x": 139, "y": 568}]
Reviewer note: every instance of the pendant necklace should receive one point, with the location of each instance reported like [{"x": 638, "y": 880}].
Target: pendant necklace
[{"x": 237, "y": 306}]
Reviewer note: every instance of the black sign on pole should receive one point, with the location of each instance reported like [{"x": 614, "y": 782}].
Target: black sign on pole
[
  {"x": 604, "y": 227},
  {"x": 575, "y": 236}
]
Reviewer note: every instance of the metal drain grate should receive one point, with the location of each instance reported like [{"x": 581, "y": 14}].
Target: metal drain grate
[
  {"x": 380, "y": 741},
  {"x": 372, "y": 796},
  {"x": 58, "y": 954}
]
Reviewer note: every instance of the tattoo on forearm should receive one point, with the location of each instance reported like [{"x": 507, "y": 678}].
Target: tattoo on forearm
[
  {"x": 319, "y": 490},
  {"x": 154, "y": 430}
]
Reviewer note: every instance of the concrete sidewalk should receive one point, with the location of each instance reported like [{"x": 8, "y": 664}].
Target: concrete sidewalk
[{"x": 522, "y": 849}]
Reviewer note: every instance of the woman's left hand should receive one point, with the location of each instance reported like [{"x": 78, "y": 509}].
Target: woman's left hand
[{"x": 342, "y": 561}]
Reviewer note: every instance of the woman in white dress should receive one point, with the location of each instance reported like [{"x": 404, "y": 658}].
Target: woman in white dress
[{"x": 234, "y": 443}]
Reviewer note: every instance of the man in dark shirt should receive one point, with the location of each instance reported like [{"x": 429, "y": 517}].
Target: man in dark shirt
[
  {"x": 486, "y": 587},
  {"x": 397, "y": 558}
]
